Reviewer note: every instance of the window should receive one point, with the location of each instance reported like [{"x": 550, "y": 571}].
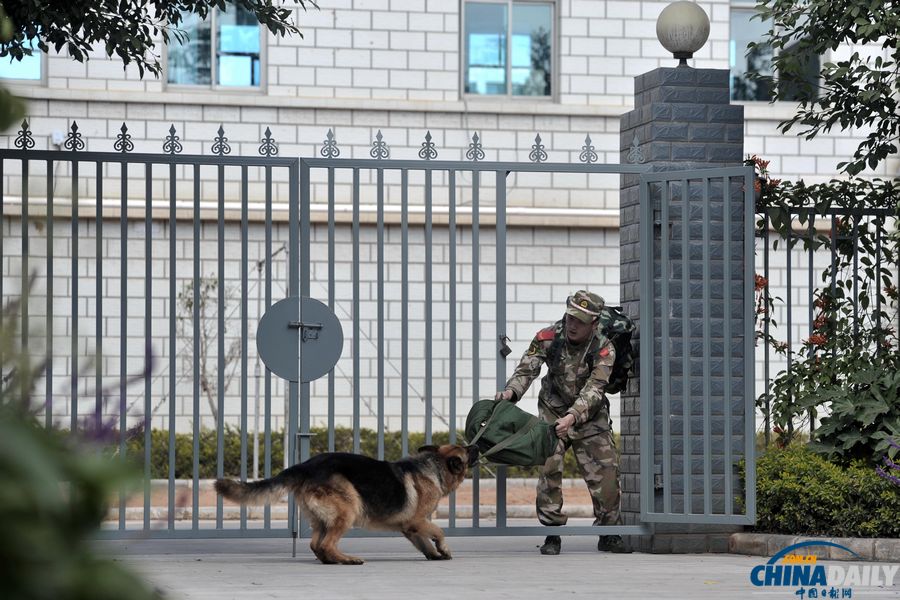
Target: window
[
  {"x": 508, "y": 48},
  {"x": 221, "y": 51},
  {"x": 30, "y": 68},
  {"x": 744, "y": 62}
]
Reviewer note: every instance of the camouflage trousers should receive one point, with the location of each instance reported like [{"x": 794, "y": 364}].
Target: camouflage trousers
[{"x": 598, "y": 464}]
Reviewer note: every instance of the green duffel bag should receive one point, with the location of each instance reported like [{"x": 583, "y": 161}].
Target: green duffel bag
[{"x": 507, "y": 435}]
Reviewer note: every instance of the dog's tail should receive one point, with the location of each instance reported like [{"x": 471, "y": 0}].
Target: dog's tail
[{"x": 257, "y": 492}]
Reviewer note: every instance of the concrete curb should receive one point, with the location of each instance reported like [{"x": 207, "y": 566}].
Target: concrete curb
[{"x": 769, "y": 544}]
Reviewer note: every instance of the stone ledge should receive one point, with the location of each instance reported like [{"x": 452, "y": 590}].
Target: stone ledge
[{"x": 769, "y": 544}]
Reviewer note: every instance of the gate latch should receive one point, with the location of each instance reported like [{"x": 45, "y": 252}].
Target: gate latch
[{"x": 308, "y": 331}]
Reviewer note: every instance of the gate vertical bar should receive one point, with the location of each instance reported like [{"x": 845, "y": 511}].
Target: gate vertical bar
[
  {"x": 267, "y": 385},
  {"x": 123, "y": 321},
  {"x": 665, "y": 237},
  {"x": 452, "y": 298},
  {"x": 73, "y": 425},
  {"x": 811, "y": 215},
  {"x": 331, "y": 285},
  {"x": 707, "y": 353},
  {"x": 172, "y": 308},
  {"x": 726, "y": 259},
  {"x": 768, "y": 316},
  {"x": 26, "y": 252},
  {"x": 298, "y": 179},
  {"x": 220, "y": 338},
  {"x": 98, "y": 299},
  {"x": 356, "y": 323},
  {"x": 380, "y": 227},
  {"x": 195, "y": 472},
  {"x": 245, "y": 230},
  {"x": 48, "y": 400},
  {"x": 749, "y": 352},
  {"x": 646, "y": 339},
  {"x": 428, "y": 308},
  {"x": 501, "y": 324},
  {"x": 476, "y": 335},
  {"x": 686, "y": 345},
  {"x": 300, "y": 289},
  {"x": 148, "y": 348},
  {"x": 404, "y": 311}
]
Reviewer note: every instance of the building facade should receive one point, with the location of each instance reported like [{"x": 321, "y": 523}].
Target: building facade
[{"x": 508, "y": 70}]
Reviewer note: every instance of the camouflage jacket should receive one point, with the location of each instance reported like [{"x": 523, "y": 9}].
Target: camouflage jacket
[{"x": 575, "y": 381}]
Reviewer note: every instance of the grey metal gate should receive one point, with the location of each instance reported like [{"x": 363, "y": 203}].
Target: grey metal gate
[
  {"x": 174, "y": 188},
  {"x": 697, "y": 369}
]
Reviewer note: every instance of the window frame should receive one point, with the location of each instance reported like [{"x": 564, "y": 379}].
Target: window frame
[
  {"x": 214, "y": 65},
  {"x": 555, "y": 59},
  {"x": 749, "y": 5}
]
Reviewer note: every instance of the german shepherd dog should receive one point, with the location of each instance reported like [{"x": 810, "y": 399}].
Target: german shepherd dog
[{"x": 337, "y": 491}]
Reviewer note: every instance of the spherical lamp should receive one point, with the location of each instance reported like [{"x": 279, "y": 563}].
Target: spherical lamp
[{"x": 682, "y": 28}]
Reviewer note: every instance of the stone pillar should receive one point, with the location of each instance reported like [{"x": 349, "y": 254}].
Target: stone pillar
[{"x": 682, "y": 119}]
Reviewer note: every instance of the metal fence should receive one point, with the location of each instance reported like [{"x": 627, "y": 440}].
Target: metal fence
[
  {"x": 820, "y": 249},
  {"x": 175, "y": 186}
]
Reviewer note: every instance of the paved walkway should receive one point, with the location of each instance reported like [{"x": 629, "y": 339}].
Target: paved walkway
[{"x": 482, "y": 568}]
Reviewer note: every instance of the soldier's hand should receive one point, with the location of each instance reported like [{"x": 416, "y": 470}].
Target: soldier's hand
[
  {"x": 504, "y": 395},
  {"x": 564, "y": 424}
]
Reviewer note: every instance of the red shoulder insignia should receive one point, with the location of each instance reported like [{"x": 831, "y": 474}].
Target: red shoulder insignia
[
  {"x": 546, "y": 334},
  {"x": 603, "y": 352}
]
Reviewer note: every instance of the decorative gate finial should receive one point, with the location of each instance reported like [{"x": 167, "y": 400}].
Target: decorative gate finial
[
  {"x": 428, "y": 151},
  {"x": 25, "y": 139},
  {"x": 635, "y": 155},
  {"x": 380, "y": 149},
  {"x": 329, "y": 146},
  {"x": 538, "y": 153},
  {"x": 588, "y": 152},
  {"x": 268, "y": 147},
  {"x": 475, "y": 152},
  {"x": 172, "y": 145},
  {"x": 74, "y": 141},
  {"x": 220, "y": 145},
  {"x": 123, "y": 142}
]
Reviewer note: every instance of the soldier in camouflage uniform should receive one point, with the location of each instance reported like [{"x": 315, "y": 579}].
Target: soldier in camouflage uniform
[{"x": 579, "y": 360}]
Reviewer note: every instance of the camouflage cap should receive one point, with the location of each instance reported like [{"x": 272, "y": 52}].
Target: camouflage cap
[{"x": 584, "y": 306}]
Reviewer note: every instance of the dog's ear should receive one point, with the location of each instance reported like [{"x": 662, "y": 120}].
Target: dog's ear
[
  {"x": 427, "y": 449},
  {"x": 456, "y": 465}
]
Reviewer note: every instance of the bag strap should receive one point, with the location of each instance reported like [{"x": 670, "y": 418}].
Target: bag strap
[{"x": 483, "y": 428}]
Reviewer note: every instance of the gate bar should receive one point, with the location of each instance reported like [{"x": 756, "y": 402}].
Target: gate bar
[
  {"x": 500, "y": 303},
  {"x": 687, "y": 458},
  {"x": 195, "y": 496},
  {"x": 356, "y": 324},
  {"x": 404, "y": 311},
  {"x": 452, "y": 316},
  {"x": 429, "y": 296}
]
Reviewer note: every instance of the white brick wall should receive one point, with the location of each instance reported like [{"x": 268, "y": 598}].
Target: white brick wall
[{"x": 393, "y": 65}]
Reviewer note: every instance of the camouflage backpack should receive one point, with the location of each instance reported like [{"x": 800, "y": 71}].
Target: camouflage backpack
[
  {"x": 615, "y": 326},
  {"x": 618, "y": 328}
]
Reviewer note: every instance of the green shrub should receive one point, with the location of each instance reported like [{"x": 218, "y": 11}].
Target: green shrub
[
  {"x": 799, "y": 492},
  {"x": 343, "y": 442}
]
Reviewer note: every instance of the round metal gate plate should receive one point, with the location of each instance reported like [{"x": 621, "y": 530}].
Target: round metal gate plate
[{"x": 278, "y": 333}]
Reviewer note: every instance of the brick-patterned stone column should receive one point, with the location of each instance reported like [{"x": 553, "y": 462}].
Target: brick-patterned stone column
[{"x": 682, "y": 119}]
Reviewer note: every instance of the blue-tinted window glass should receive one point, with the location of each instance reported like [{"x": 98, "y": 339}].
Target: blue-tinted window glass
[
  {"x": 190, "y": 62},
  {"x": 486, "y": 29},
  {"x": 27, "y": 68},
  {"x": 237, "y": 32},
  {"x": 532, "y": 49},
  {"x": 743, "y": 61}
]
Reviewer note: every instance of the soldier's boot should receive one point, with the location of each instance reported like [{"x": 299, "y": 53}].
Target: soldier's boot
[
  {"x": 612, "y": 543},
  {"x": 552, "y": 544}
]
